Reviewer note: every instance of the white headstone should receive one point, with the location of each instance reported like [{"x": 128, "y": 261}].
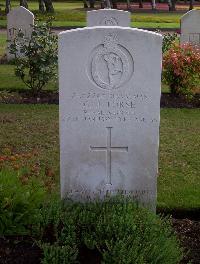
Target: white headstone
[
  {"x": 109, "y": 79},
  {"x": 190, "y": 27},
  {"x": 108, "y": 17},
  {"x": 19, "y": 19}
]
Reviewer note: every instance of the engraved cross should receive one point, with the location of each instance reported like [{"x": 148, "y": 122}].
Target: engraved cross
[{"x": 109, "y": 149}]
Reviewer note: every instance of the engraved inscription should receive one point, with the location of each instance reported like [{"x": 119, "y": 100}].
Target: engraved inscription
[
  {"x": 109, "y": 148},
  {"x": 109, "y": 21},
  {"x": 194, "y": 38},
  {"x": 110, "y": 65},
  {"x": 103, "y": 107},
  {"x": 13, "y": 32},
  {"x": 144, "y": 196}
]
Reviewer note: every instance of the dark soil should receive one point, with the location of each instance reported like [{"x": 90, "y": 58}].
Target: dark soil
[
  {"x": 45, "y": 97},
  {"x": 19, "y": 250},
  {"x": 23, "y": 250},
  {"x": 171, "y": 101},
  {"x": 188, "y": 232},
  {"x": 48, "y": 97}
]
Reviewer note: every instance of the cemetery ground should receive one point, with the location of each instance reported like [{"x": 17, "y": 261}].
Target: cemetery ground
[
  {"x": 29, "y": 136},
  {"x": 12, "y": 90},
  {"x": 29, "y": 147},
  {"x": 72, "y": 14},
  {"x": 34, "y": 129}
]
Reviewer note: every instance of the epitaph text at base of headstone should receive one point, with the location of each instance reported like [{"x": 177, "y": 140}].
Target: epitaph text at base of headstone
[
  {"x": 190, "y": 27},
  {"x": 108, "y": 17},
  {"x": 18, "y": 19},
  {"x": 109, "y": 79}
]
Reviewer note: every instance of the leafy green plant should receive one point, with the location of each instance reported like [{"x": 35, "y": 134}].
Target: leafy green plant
[
  {"x": 56, "y": 254},
  {"x": 20, "y": 202},
  {"x": 35, "y": 58},
  {"x": 116, "y": 229},
  {"x": 168, "y": 41},
  {"x": 57, "y": 234},
  {"x": 181, "y": 69}
]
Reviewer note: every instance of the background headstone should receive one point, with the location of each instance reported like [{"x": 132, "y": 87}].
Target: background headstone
[
  {"x": 109, "y": 79},
  {"x": 18, "y": 19},
  {"x": 190, "y": 27},
  {"x": 108, "y": 17}
]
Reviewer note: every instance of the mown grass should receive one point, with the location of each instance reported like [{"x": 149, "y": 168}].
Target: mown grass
[
  {"x": 35, "y": 127},
  {"x": 2, "y": 43},
  {"x": 9, "y": 82},
  {"x": 179, "y": 178},
  {"x": 69, "y": 14}
]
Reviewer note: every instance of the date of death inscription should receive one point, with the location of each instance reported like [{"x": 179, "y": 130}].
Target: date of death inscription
[{"x": 102, "y": 107}]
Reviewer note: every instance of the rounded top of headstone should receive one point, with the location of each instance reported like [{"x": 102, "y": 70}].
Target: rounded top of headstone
[
  {"x": 20, "y": 11},
  {"x": 110, "y": 10},
  {"x": 117, "y": 28},
  {"x": 190, "y": 14},
  {"x": 108, "y": 17}
]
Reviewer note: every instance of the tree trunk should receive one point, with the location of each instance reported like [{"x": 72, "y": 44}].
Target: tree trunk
[
  {"x": 41, "y": 6},
  {"x": 173, "y": 5},
  {"x": 153, "y": 3},
  {"x": 49, "y": 6},
  {"x": 128, "y": 5},
  {"x": 8, "y": 7},
  {"x": 108, "y": 5},
  {"x": 140, "y": 4},
  {"x": 191, "y": 5},
  {"x": 114, "y": 4},
  {"x": 91, "y": 3},
  {"x": 85, "y": 4},
  {"x": 170, "y": 5},
  {"x": 102, "y": 4},
  {"x": 24, "y": 3}
]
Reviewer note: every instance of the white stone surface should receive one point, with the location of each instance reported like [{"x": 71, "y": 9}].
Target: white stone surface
[
  {"x": 108, "y": 17},
  {"x": 19, "y": 18},
  {"x": 190, "y": 27},
  {"x": 109, "y": 87}
]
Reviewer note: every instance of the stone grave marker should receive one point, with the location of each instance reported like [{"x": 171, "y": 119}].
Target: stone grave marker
[
  {"x": 190, "y": 27},
  {"x": 109, "y": 87},
  {"x": 19, "y": 18},
  {"x": 108, "y": 17}
]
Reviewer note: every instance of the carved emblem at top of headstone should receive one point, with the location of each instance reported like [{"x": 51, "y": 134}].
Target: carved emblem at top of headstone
[
  {"x": 109, "y": 21},
  {"x": 110, "y": 64}
]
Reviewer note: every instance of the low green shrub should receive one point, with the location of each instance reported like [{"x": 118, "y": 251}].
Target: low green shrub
[
  {"x": 181, "y": 70},
  {"x": 168, "y": 41},
  {"x": 35, "y": 58},
  {"x": 20, "y": 202},
  {"x": 115, "y": 229}
]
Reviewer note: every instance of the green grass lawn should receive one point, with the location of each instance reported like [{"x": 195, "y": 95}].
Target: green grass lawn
[
  {"x": 25, "y": 128},
  {"x": 9, "y": 82},
  {"x": 69, "y": 14},
  {"x": 179, "y": 177},
  {"x": 8, "y": 79},
  {"x": 2, "y": 43}
]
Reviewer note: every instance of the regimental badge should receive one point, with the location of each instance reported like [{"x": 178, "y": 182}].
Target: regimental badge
[{"x": 110, "y": 64}]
